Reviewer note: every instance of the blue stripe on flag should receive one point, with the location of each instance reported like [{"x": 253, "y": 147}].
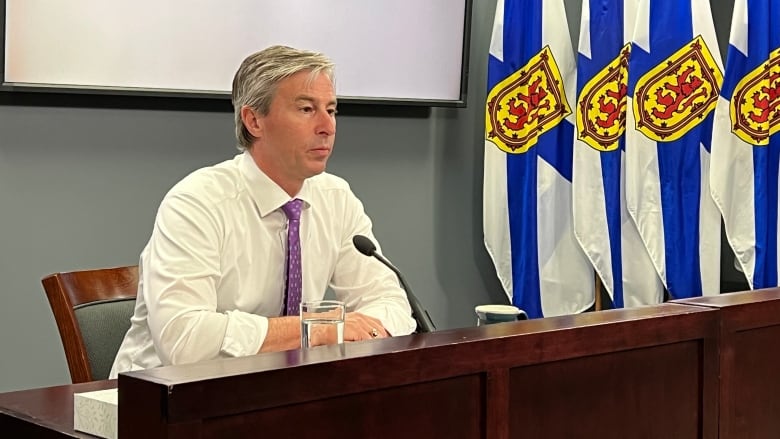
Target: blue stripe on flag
[
  {"x": 521, "y": 181},
  {"x": 670, "y": 28},
  {"x": 523, "y": 40},
  {"x": 766, "y": 160},
  {"x": 605, "y": 47},
  {"x": 679, "y": 161},
  {"x": 762, "y": 39},
  {"x": 606, "y": 38},
  {"x": 680, "y": 170},
  {"x": 606, "y": 41}
]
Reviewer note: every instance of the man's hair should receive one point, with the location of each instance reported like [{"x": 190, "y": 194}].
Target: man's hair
[{"x": 257, "y": 78}]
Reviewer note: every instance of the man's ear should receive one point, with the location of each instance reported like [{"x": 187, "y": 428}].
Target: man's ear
[{"x": 253, "y": 122}]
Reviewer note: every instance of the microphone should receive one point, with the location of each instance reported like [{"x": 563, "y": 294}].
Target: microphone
[{"x": 424, "y": 322}]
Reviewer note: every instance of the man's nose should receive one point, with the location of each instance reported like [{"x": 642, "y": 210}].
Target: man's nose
[{"x": 326, "y": 124}]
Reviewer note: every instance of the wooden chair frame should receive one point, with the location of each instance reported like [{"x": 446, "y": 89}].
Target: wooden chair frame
[{"x": 67, "y": 291}]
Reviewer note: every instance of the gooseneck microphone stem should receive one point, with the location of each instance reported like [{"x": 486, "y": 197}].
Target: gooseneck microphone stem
[{"x": 420, "y": 314}]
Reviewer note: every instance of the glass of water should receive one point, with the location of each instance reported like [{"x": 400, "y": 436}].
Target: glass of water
[{"x": 322, "y": 322}]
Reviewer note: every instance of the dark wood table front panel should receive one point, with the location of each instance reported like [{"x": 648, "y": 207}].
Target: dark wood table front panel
[
  {"x": 651, "y": 393},
  {"x": 749, "y": 350}
]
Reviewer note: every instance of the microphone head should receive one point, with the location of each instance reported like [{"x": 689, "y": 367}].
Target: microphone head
[{"x": 364, "y": 245}]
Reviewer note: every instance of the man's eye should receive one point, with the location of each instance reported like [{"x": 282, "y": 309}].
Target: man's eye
[
  {"x": 333, "y": 112},
  {"x": 307, "y": 109}
]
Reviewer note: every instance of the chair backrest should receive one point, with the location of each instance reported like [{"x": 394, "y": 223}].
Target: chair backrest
[{"x": 92, "y": 309}]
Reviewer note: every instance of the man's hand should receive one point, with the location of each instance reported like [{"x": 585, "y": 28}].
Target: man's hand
[
  {"x": 284, "y": 332},
  {"x": 362, "y": 327}
]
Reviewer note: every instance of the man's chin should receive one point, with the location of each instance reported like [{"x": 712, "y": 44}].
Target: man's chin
[{"x": 317, "y": 169}]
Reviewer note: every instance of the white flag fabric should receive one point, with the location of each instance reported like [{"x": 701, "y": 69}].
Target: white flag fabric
[
  {"x": 529, "y": 129},
  {"x": 601, "y": 222},
  {"x": 745, "y": 149},
  {"x": 675, "y": 74}
]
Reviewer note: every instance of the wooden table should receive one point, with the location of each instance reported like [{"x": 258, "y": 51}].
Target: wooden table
[
  {"x": 45, "y": 412},
  {"x": 643, "y": 372}
]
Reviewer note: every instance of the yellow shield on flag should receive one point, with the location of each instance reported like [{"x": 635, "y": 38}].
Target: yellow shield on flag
[
  {"x": 601, "y": 109},
  {"x": 678, "y": 93},
  {"x": 526, "y": 104},
  {"x": 754, "y": 106}
]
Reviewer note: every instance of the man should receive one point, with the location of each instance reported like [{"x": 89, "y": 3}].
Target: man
[{"x": 213, "y": 275}]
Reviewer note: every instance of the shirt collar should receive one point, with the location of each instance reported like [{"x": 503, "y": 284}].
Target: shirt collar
[{"x": 268, "y": 195}]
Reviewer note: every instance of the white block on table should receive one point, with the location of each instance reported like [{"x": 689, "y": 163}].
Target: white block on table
[{"x": 96, "y": 412}]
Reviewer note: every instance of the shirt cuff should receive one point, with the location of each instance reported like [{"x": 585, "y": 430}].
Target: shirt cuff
[
  {"x": 395, "y": 323},
  {"x": 244, "y": 334}
]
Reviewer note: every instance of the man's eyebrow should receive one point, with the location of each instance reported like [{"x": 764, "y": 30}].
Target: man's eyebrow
[{"x": 310, "y": 99}]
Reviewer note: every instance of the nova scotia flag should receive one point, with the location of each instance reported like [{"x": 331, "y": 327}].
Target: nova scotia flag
[
  {"x": 745, "y": 147},
  {"x": 675, "y": 75},
  {"x": 529, "y": 133},
  {"x": 601, "y": 222}
]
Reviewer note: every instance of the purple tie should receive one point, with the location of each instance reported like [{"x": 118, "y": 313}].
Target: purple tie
[{"x": 293, "y": 292}]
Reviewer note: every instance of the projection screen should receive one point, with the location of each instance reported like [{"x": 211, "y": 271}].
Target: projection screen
[{"x": 385, "y": 50}]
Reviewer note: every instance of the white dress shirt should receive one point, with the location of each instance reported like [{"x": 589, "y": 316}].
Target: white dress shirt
[{"x": 213, "y": 271}]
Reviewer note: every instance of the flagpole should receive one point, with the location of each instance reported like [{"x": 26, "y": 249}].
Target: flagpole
[{"x": 598, "y": 292}]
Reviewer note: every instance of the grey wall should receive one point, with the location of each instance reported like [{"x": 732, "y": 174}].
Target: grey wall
[{"x": 79, "y": 187}]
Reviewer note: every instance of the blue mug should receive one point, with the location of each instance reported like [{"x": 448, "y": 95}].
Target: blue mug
[{"x": 489, "y": 314}]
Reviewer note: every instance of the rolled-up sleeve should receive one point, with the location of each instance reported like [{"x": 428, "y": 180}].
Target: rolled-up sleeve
[{"x": 181, "y": 288}]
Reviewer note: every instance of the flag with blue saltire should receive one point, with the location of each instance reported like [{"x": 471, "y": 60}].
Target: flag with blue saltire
[
  {"x": 529, "y": 129},
  {"x": 674, "y": 77},
  {"x": 745, "y": 149},
  {"x": 601, "y": 222}
]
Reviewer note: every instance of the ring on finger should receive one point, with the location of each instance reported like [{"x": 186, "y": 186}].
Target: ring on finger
[{"x": 374, "y": 333}]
